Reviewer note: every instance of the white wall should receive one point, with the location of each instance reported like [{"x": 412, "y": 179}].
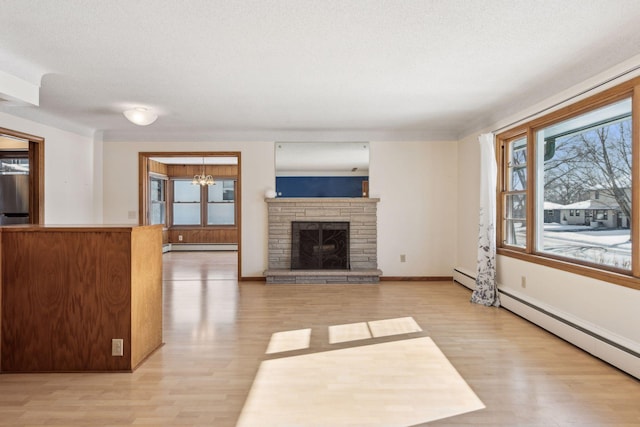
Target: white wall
[
  {"x": 416, "y": 183},
  {"x": 607, "y": 309},
  {"x": 468, "y": 194},
  {"x": 69, "y": 185},
  {"x": 98, "y": 174}
]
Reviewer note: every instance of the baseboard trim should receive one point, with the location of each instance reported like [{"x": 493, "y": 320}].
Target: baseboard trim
[
  {"x": 252, "y": 279},
  {"x": 382, "y": 279},
  {"x": 416, "y": 278},
  {"x": 199, "y": 247}
]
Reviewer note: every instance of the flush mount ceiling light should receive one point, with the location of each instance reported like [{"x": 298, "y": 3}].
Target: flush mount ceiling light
[{"x": 140, "y": 116}]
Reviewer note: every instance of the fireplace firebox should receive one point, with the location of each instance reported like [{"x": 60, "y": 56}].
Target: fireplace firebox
[{"x": 319, "y": 245}]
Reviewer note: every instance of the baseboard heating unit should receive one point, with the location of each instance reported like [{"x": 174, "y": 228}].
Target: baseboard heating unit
[{"x": 613, "y": 352}]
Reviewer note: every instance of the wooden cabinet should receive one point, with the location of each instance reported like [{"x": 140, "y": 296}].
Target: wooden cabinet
[{"x": 67, "y": 291}]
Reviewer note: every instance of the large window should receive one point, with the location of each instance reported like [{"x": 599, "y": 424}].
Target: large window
[
  {"x": 566, "y": 185},
  {"x": 577, "y": 158},
  {"x": 195, "y": 205}
]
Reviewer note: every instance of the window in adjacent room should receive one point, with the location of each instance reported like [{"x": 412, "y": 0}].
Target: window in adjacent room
[
  {"x": 186, "y": 203},
  {"x": 208, "y": 205},
  {"x": 221, "y": 203},
  {"x": 158, "y": 199}
]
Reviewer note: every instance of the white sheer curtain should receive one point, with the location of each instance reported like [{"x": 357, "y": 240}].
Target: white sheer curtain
[{"x": 486, "y": 292}]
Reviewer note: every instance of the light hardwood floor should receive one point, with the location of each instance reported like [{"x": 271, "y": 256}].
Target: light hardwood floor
[{"x": 217, "y": 332}]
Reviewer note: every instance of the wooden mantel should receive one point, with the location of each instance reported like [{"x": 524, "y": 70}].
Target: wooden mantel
[{"x": 67, "y": 291}]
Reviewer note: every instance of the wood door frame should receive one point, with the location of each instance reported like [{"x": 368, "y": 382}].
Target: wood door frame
[
  {"x": 36, "y": 173},
  {"x": 143, "y": 187}
]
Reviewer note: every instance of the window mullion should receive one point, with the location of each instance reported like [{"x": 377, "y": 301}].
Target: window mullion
[
  {"x": 204, "y": 205},
  {"x": 501, "y": 190},
  {"x": 635, "y": 182},
  {"x": 531, "y": 194}
]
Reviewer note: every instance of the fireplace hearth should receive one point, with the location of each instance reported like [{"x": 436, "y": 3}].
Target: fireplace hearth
[{"x": 317, "y": 245}]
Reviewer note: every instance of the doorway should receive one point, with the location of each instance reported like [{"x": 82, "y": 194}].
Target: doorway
[{"x": 187, "y": 165}]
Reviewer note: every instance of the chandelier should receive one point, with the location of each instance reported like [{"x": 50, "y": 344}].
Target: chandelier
[{"x": 203, "y": 179}]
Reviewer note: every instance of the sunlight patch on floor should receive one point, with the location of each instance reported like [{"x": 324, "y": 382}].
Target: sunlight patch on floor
[
  {"x": 373, "y": 329},
  {"x": 289, "y": 341},
  {"x": 391, "y": 384},
  {"x": 385, "y": 328},
  {"x": 349, "y": 332}
]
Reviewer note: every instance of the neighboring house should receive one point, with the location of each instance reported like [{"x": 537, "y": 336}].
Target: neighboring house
[
  {"x": 594, "y": 213},
  {"x": 599, "y": 210}
]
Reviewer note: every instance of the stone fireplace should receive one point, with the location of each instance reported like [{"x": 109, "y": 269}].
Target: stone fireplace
[{"x": 358, "y": 216}]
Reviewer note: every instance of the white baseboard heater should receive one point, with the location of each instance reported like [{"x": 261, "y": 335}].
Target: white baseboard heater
[{"x": 606, "y": 349}]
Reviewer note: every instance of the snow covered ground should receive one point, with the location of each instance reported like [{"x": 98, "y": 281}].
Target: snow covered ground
[
  {"x": 584, "y": 234},
  {"x": 611, "y": 247}
]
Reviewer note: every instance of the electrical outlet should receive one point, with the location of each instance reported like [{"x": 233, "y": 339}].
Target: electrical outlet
[
  {"x": 523, "y": 281},
  {"x": 132, "y": 214},
  {"x": 179, "y": 237},
  {"x": 403, "y": 258},
  {"x": 117, "y": 347}
]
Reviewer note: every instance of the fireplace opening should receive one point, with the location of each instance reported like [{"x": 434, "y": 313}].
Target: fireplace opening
[{"x": 319, "y": 245}]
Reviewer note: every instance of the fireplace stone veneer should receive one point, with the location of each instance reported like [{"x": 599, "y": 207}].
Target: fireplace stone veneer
[{"x": 361, "y": 213}]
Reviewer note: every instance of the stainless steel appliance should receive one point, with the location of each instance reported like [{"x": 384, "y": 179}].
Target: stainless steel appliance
[{"x": 14, "y": 199}]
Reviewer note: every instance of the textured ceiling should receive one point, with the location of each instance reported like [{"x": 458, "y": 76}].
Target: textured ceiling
[{"x": 300, "y": 69}]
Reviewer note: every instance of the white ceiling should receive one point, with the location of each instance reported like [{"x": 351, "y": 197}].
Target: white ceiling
[{"x": 304, "y": 69}]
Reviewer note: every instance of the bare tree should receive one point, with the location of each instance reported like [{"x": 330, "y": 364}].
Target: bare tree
[{"x": 599, "y": 159}]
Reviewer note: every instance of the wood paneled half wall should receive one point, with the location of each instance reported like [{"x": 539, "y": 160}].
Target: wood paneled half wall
[{"x": 67, "y": 292}]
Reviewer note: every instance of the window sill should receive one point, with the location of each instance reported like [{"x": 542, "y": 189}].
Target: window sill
[{"x": 616, "y": 278}]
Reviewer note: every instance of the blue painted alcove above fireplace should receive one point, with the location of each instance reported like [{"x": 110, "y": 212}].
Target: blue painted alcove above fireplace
[{"x": 320, "y": 186}]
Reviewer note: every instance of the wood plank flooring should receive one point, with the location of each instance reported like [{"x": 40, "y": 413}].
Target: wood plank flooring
[{"x": 217, "y": 332}]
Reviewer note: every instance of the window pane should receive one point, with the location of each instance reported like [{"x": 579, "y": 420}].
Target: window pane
[
  {"x": 517, "y": 165},
  {"x": 156, "y": 190},
  {"x": 516, "y": 206},
  {"x": 222, "y": 191},
  {"x": 221, "y": 214},
  {"x": 158, "y": 213},
  {"x": 516, "y": 232},
  {"x": 585, "y": 175},
  {"x": 515, "y": 223},
  {"x": 185, "y": 191},
  {"x": 186, "y": 213}
]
